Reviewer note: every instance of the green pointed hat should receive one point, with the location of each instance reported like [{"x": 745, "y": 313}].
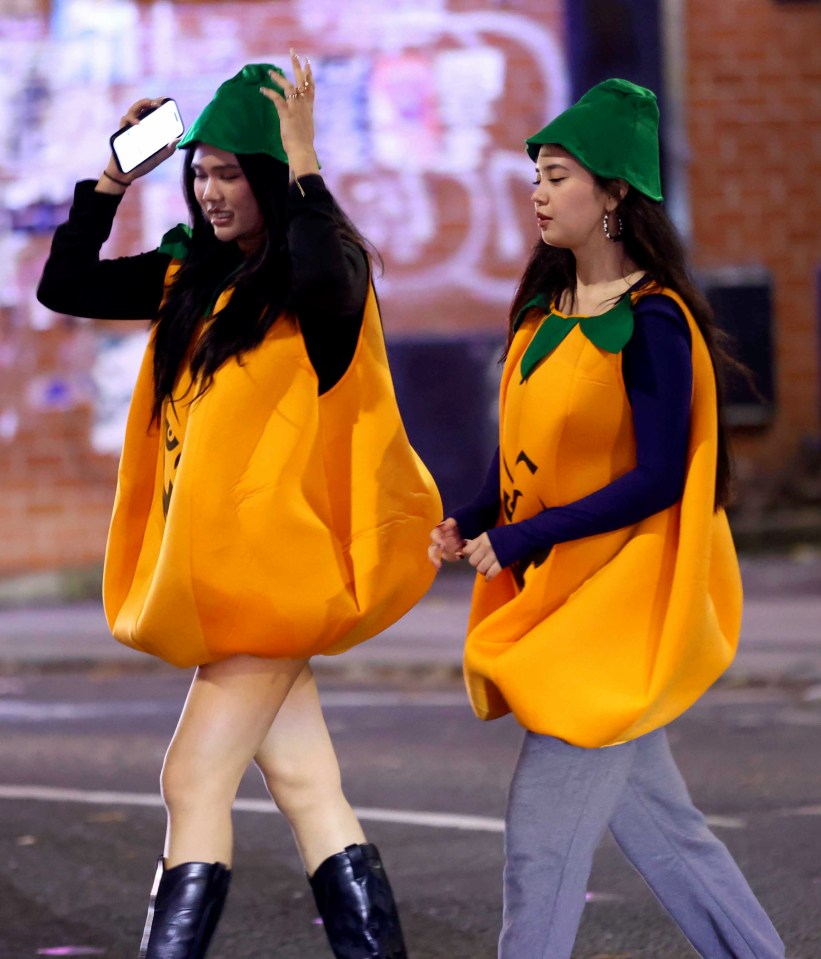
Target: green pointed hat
[
  {"x": 614, "y": 131},
  {"x": 239, "y": 118}
]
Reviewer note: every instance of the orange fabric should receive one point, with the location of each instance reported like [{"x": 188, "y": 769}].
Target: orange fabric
[
  {"x": 297, "y": 524},
  {"x": 613, "y": 635}
]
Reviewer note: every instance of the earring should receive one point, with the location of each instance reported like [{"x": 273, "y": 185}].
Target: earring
[{"x": 614, "y": 238}]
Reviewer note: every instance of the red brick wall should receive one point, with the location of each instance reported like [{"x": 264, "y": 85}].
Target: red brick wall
[{"x": 754, "y": 76}]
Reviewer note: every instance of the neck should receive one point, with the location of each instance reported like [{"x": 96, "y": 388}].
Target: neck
[
  {"x": 603, "y": 273},
  {"x": 250, "y": 245},
  {"x": 601, "y": 262}
]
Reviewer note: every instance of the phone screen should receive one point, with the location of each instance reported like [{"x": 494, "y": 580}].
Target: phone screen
[{"x": 135, "y": 144}]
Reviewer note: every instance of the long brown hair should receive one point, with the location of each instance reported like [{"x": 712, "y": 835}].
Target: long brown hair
[{"x": 652, "y": 242}]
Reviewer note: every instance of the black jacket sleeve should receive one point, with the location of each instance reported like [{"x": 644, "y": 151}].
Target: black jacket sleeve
[
  {"x": 330, "y": 275},
  {"x": 77, "y": 282}
]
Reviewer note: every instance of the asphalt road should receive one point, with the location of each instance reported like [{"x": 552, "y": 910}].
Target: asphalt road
[{"x": 79, "y": 836}]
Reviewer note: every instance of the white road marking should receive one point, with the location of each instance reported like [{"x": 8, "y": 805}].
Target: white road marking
[
  {"x": 404, "y": 817},
  {"x": 433, "y": 820},
  {"x": 725, "y": 822},
  {"x": 36, "y": 711},
  {"x": 30, "y": 711},
  {"x": 800, "y": 811}
]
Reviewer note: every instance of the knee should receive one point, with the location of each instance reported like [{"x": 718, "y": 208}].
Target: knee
[
  {"x": 298, "y": 787},
  {"x": 190, "y": 781}
]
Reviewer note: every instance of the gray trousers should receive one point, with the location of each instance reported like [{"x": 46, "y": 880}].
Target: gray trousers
[{"x": 562, "y": 799}]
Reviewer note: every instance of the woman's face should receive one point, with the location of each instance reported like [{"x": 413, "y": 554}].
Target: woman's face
[
  {"x": 569, "y": 203},
  {"x": 225, "y": 196}
]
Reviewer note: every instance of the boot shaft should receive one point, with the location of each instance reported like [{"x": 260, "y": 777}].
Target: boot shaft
[
  {"x": 185, "y": 907},
  {"x": 356, "y": 903}
]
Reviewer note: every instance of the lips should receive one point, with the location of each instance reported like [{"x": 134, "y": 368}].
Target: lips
[{"x": 219, "y": 217}]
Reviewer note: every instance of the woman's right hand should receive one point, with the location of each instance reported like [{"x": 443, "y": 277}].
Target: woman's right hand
[
  {"x": 446, "y": 543},
  {"x": 295, "y": 106},
  {"x": 114, "y": 180}
]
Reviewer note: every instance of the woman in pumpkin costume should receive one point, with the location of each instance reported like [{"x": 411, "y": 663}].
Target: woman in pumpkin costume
[
  {"x": 608, "y": 597},
  {"x": 269, "y": 503}
]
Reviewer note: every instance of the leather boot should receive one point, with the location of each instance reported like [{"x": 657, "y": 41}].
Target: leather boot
[
  {"x": 185, "y": 907},
  {"x": 356, "y": 903}
]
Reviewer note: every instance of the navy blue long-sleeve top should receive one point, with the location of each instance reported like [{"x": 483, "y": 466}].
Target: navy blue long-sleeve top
[{"x": 658, "y": 375}]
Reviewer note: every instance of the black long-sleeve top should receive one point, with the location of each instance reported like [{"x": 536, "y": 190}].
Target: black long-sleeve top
[{"x": 329, "y": 273}]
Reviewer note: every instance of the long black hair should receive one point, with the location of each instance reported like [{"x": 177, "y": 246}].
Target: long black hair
[
  {"x": 652, "y": 242},
  {"x": 261, "y": 283}
]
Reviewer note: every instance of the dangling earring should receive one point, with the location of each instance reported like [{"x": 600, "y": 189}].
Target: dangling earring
[{"x": 613, "y": 238}]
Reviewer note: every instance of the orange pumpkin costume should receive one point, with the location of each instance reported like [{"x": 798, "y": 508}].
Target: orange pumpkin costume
[
  {"x": 613, "y": 635},
  {"x": 296, "y": 523}
]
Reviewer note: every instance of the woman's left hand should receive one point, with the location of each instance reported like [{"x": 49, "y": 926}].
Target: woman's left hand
[
  {"x": 296, "y": 116},
  {"x": 479, "y": 553}
]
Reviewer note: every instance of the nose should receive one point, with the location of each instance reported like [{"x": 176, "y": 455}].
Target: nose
[
  {"x": 211, "y": 191},
  {"x": 537, "y": 197}
]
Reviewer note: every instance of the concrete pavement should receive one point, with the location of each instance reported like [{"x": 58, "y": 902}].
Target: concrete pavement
[{"x": 780, "y": 643}]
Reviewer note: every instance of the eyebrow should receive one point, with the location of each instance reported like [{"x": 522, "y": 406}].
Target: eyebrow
[
  {"x": 553, "y": 166},
  {"x": 220, "y": 168}
]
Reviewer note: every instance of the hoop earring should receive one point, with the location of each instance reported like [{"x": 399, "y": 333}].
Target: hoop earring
[{"x": 614, "y": 238}]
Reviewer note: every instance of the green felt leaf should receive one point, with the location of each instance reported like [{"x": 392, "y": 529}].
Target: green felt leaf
[
  {"x": 611, "y": 332},
  {"x": 552, "y": 331},
  {"x": 539, "y": 300},
  {"x": 177, "y": 242}
]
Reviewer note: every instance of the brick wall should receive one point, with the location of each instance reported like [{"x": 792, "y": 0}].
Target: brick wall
[
  {"x": 450, "y": 214},
  {"x": 753, "y": 88}
]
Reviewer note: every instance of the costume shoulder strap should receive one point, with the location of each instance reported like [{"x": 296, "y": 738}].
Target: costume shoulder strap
[{"x": 656, "y": 289}]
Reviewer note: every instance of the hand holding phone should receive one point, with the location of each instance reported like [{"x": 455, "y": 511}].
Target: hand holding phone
[{"x": 147, "y": 131}]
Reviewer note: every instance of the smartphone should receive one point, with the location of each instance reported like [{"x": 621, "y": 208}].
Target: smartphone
[{"x": 134, "y": 145}]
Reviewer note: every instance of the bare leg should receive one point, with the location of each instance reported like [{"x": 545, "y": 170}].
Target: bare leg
[
  {"x": 229, "y": 711},
  {"x": 300, "y": 768}
]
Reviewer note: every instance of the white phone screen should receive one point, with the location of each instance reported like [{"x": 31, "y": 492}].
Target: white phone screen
[{"x": 135, "y": 144}]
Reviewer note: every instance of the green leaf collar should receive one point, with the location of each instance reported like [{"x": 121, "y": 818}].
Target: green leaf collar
[
  {"x": 610, "y": 331},
  {"x": 177, "y": 242}
]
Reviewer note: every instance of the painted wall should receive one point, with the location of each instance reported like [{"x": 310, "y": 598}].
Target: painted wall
[{"x": 421, "y": 112}]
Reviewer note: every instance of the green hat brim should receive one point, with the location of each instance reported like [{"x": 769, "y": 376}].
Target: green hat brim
[{"x": 613, "y": 131}]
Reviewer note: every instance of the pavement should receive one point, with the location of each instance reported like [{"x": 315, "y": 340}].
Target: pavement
[{"x": 780, "y": 641}]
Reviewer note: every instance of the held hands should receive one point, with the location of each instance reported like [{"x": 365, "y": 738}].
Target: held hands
[
  {"x": 447, "y": 544},
  {"x": 479, "y": 553},
  {"x": 296, "y": 116}
]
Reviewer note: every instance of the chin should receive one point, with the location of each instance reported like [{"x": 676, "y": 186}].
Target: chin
[{"x": 224, "y": 234}]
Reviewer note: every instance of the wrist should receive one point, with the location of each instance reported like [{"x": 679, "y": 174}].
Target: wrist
[
  {"x": 113, "y": 183},
  {"x": 303, "y": 163}
]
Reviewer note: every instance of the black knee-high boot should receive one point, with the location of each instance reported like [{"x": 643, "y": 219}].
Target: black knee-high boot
[
  {"x": 185, "y": 907},
  {"x": 356, "y": 903}
]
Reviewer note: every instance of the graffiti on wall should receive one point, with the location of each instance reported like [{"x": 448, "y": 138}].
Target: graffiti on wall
[{"x": 411, "y": 118}]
